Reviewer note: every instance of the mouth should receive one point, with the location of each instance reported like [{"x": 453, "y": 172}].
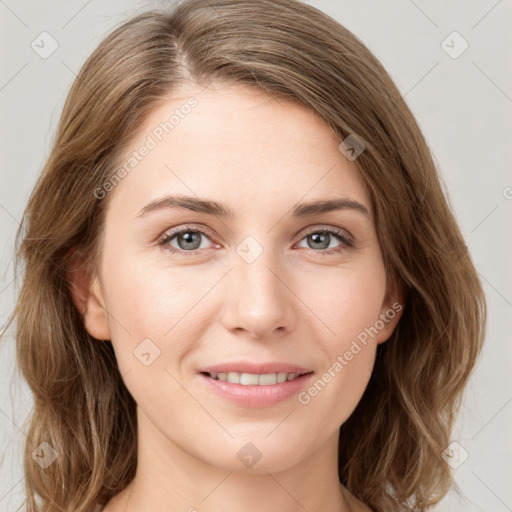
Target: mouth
[
  {"x": 255, "y": 379},
  {"x": 255, "y": 389}
]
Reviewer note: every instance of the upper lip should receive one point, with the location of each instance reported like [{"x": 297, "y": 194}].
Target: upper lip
[{"x": 261, "y": 368}]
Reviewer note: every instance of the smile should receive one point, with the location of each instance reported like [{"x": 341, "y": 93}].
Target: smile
[
  {"x": 254, "y": 379},
  {"x": 255, "y": 390}
]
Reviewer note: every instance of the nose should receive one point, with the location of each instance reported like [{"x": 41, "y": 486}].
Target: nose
[{"x": 260, "y": 300}]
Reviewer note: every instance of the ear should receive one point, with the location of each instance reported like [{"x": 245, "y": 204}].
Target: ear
[
  {"x": 391, "y": 311},
  {"x": 88, "y": 298}
]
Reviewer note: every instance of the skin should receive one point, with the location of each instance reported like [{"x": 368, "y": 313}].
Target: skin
[{"x": 259, "y": 157}]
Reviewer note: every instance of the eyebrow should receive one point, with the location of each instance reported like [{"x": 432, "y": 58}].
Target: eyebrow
[{"x": 211, "y": 207}]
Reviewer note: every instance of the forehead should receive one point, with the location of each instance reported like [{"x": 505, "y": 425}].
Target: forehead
[{"x": 236, "y": 142}]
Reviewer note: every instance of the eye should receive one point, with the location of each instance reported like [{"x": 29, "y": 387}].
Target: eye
[
  {"x": 321, "y": 238},
  {"x": 188, "y": 240}
]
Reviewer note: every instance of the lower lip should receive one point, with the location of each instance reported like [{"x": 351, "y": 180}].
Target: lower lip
[{"x": 257, "y": 396}]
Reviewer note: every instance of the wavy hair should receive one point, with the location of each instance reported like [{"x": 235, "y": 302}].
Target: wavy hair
[{"x": 390, "y": 448}]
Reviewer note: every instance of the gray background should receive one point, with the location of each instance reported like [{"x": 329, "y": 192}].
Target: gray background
[{"x": 463, "y": 105}]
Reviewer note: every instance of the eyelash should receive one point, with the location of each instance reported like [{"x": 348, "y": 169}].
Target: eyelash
[{"x": 347, "y": 243}]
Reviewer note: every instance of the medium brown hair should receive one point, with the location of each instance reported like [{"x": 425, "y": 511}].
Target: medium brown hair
[{"x": 390, "y": 449}]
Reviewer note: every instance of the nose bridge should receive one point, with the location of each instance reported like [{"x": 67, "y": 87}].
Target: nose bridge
[
  {"x": 259, "y": 301},
  {"x": 257, "y": 268}
]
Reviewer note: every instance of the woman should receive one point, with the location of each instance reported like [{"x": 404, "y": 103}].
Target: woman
[{"x": 252, "y": 369}]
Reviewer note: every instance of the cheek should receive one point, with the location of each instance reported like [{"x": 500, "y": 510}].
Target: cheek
[
  {"x": 349, "y": 358},
  {"x": 151, "y": 331},
  {"x": 149, "y": 304},
  {"x": 346, "y": 303},
  {"x": 348, "y": 306},
  {"x": 334, "y": 394}
]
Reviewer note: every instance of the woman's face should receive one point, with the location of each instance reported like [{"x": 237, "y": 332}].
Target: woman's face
[{"x": 266, "y": 285}]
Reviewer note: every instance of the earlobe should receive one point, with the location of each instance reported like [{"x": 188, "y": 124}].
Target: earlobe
[
  {"x": 391, "y": 312},
  {"x": 88, "y": 298}
]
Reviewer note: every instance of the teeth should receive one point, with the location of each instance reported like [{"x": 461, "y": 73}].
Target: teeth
[
  {"x": 247, "y": 379},
  {"x": 251, "y": 379},
  {"x": 281, "y": 377}
]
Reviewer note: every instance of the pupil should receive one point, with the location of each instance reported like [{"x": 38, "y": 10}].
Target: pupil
[
  {"x": 321, "y": 238},
  {"x": 189, "y": 239}
]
